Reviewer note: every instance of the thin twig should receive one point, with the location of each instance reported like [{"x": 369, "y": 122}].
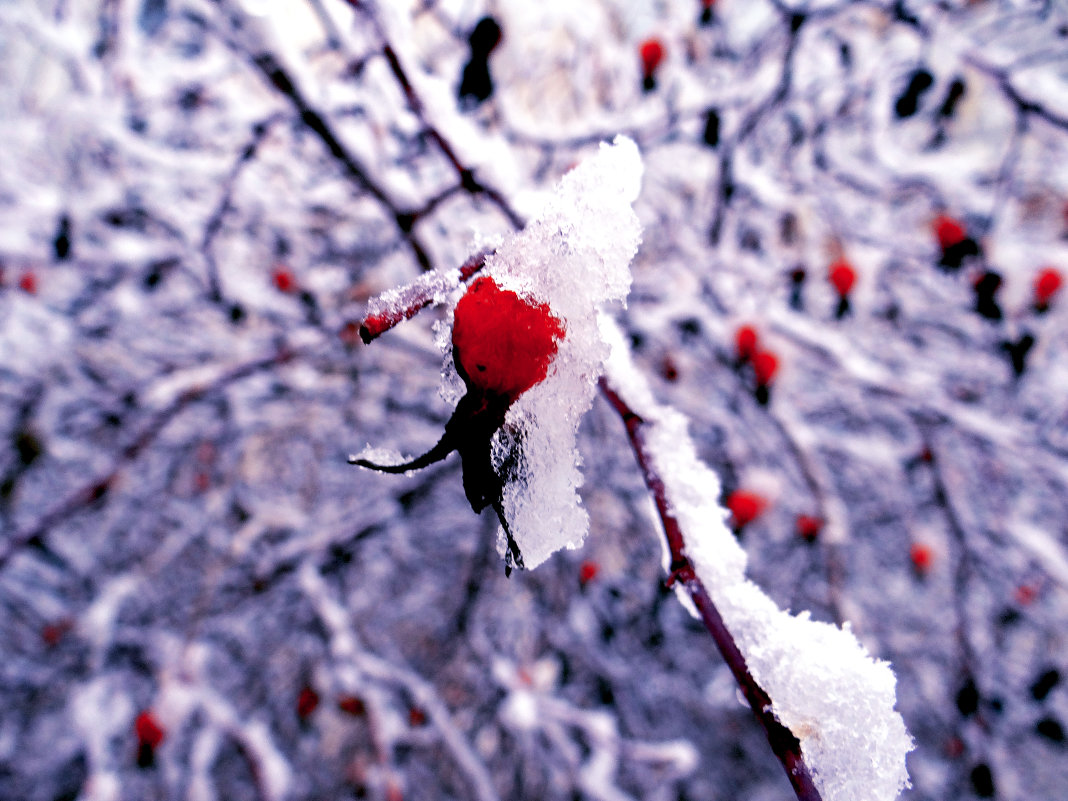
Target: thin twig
[
  {"x": 374, "y": 325},
  {"x": 97, "y": 489},
  {"x": 418, "y": 107},
  {"x": 783, "y": 742}
]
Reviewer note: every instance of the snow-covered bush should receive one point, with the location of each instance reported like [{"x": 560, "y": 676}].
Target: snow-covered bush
[{"x": 846, "y": 303}]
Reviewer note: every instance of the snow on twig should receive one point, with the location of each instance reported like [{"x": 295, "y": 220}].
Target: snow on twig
[
  {"x": 403, "y": 303},
  {"x": 827, "y": 707}
]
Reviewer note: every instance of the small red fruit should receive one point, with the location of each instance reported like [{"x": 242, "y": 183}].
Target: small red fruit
[
  {"x": 949, "y": 231},
  {"x": 954, "y": 747},
  {"x": 52, "y": 633},
  {"x": 416, "y": 716},
  {"x": 921, "y": 556},
  {"x": 352, "y": 705},
  {"x": 651, "y": 52},
  {"x": 765, "y": 365},
  {"x": 502, "y": 343},
  {"x": 588, "y": 571},
  {"x": 307, "y": 702},
  {"x": 669, "y": 370},
  {"x": 809, "y": 527},
  {"x": 746, "y": 342},
  {"x": 1047, "y": 285},
  {"x": 1026, "y": 594},
  {"x": 842, "y": 277},
  {"x": 745, "y": 507},
  {"x": 283, "y": 279},
  {"x": 350, "y": 334},
  {"x": 148, "y": 730},
  {"x": 28, "y": 283}
]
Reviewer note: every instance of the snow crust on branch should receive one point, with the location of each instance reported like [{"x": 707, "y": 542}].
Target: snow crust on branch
[
  {"x": 575, "y": 256},
  {"x": 835, "y": 698}
]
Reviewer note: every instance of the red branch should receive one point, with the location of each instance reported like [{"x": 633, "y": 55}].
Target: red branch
[
  {"x": 375, "y": 325},
  {"x": 783, "y": 743},
  {"x": 782, "y": 740}
]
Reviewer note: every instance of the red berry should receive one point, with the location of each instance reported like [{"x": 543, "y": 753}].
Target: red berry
[
  {"x": 416, "y": 716},
  {"x": 948, "y": 230},
  {"x": 921, "y": 556},
  {"x": 352, "y": 705},
  {"x": 745, "y": 342},
  {"x": 765, "y": 365},
  {"x": 1048, "y": 283},
  {"x": 1025, "y": 594},
  {"x": 503, "y": 343},
  {"x": 652, "y": 53},
  {"x": 809, "y": 527},
  {"x": 307, "y": 702},
  {"x": 28, "y": 283},
  {"x": 588, "y": 571},
  {"x": 52, "y": 633},
  {"x": 149, "y": 732},
  {"x": 350, "y": 334},
  {"x": 669, "y": 370},
  {"x": 283, "y": 279},
  {"x": 205, "y": 452},
  {"x": 842, "y": 276},
  {"x": 745, "y": 507}
]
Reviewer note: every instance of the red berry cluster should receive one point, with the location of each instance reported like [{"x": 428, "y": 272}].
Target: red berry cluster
[
  {"x": 763, "y": 363},
  {"x": 957, "y": 247}
]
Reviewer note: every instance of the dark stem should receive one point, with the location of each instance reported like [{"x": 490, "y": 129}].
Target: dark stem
[
  {"x": 444, "y": 447},
  {"x": 513, "y": 558},
  {"x": 783, "y": 742}
]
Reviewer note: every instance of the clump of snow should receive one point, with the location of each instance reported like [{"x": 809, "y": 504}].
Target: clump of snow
[
  {"x": 574, "y": 256},
  {"x": 835, "y": 698}
]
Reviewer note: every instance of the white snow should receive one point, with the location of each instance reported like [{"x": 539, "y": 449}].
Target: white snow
[
  {"x": 575, "y": 256},
  {"x": 836, "y": 699}
]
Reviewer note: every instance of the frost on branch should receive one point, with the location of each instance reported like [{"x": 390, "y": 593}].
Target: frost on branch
[
  {"x": 835, "y": 698},
  {"x": 526, "y": 344}
]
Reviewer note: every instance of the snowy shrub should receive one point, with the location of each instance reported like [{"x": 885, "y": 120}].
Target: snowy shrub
[{"x": 237, "y": 240}]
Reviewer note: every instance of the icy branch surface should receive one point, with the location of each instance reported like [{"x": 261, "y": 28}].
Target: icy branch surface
[{"x": 835, "y": 698}]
